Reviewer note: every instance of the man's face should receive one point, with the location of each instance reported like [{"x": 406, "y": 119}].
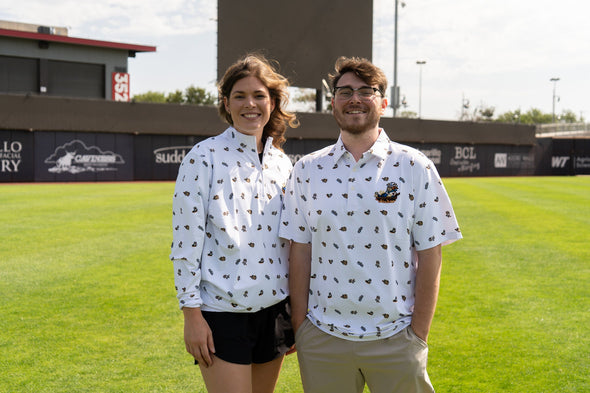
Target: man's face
[{"x": 357, "y": 114}]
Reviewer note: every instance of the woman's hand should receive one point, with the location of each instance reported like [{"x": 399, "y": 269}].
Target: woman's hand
[{"x": 198, "y": 338}]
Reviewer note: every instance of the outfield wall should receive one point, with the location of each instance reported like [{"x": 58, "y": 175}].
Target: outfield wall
[
  {"x": 52, "y": 156},
  {"x": 45, "y": 139}
]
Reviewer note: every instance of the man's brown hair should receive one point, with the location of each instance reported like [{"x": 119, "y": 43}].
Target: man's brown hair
[{"x": 362, "y": 68}]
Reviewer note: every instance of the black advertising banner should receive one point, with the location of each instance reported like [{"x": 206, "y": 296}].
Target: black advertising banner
[
  {"x": 16, "y": 156},
  {"x": 582, "y": 156},
  {"x": 543, "y": 151},
  {"x": 510, "y": 160},
  {"x": 465, "y": 160},
  {"x": 297, "y": 148},
  {"x": 562, "y": 158},
  {"x": 157, "y": 157},
  {"x": 67, "y": 156},
  {"x": 480, "y": 160}
]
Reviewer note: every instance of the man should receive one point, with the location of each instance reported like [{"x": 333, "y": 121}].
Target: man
[{"x": 367, "y": 218}]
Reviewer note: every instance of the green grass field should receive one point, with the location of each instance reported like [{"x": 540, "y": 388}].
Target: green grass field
[{"x": 87, "y": 300}]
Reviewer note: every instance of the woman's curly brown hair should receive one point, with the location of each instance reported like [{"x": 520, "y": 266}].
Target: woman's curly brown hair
[{"x": 277, "y": 85}]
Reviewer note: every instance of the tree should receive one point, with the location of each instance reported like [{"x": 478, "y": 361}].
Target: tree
[
  {"x": 192, "y": 95},
  {"x": 536, "y": 116},
  {"x": 486, "y": 113},
  {"x": 175, "y": 97},
  {"x": 509, "y": 117},
  {"x": 569, "y": 116},
  {"x": 482, "y": 112},
  {"x": 408, "y": 115},
  {"x": 150, "y": 96},
  {"x": 198, "y": 96}
]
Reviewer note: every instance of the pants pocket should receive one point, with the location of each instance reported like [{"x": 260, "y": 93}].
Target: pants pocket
[{"x": 414, "y": 337}]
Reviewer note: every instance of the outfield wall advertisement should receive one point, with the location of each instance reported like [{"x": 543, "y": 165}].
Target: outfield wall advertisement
[
  {"x": 70, "y": 156},
  {"x": 16, "y": 156},
  {"x": 157, "y": 157}
]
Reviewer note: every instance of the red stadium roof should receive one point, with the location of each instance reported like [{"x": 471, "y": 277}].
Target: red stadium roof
[{"x": 132, "y": 48}]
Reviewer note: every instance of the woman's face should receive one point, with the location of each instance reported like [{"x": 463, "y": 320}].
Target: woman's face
[{"x": 250, "y": 105}]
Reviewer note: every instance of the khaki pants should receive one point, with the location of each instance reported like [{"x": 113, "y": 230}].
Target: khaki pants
[{"x": 330, "y": 364}]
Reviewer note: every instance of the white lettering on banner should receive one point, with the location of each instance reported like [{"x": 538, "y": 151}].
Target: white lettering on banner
[
  {"x": 582, "y": 162},
  {"x": 465, "y": 153},
  {"x": 14, "y": 147},
  {"x": 465, "y": 160},
  {"x": 465, "y": 166},
  {"x": 500, "y": 160},
  {"x": 171, "y": 154},
  {"x": 75, "y": 157},
  {"x": 82, "y": 159},
  {"x": 10, "y": 156},
  {"x": 435, "y": 155},
  {"x": 9, "y": 165},
  {"x": 559, "y": 161}
]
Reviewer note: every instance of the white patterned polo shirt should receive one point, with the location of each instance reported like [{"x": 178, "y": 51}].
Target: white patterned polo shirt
[
  {"x": 226, "y": 211},
  {"x": 365, "y": 220}
]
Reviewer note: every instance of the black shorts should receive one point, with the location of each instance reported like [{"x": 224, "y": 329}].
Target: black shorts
[{"x": 246, "y": 338}]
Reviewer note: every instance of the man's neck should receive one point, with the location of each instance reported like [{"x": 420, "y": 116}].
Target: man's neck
[{"x": 357, "y": 144}]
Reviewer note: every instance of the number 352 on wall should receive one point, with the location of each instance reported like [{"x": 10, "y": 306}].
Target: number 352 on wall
[{"x": 120, "y": 86}]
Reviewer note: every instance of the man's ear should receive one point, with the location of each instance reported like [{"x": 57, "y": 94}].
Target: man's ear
[{"x": 383, "y": 105}]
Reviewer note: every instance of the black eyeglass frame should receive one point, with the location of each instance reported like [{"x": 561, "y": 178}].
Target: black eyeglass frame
[{"x": 375, "y": 90}]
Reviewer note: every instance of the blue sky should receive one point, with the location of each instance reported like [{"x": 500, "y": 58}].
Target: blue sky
[{"x": 494, "y": 53}]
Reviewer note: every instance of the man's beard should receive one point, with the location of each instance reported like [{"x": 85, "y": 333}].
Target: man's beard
[{"x": 356, "y": 127}]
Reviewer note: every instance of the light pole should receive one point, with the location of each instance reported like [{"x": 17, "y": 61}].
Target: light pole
[
  {"x": 420, "y": 64},
  {"x": 554, "y": 80},
  {"x": 395, "y": 88}
]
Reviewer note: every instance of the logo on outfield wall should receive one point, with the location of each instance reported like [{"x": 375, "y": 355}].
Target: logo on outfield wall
[
  {"x": 501, "y": 160},
  {"x": 582, "y": 162},
  {"x": 514, "y": 160},
  {"x": 435, "y": 155},
  {"x": 559, "y": 161},
  {"x": 465, "y": 160},
  {"x": 10, "y": 156},
  {"x": 75, "y": 157},
  {"x": 171, "y": 154}
]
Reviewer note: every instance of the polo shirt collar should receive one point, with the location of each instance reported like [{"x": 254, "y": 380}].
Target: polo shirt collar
[
  {"x": 379, "y": 148},
  {"x": 244, "y": 140}
]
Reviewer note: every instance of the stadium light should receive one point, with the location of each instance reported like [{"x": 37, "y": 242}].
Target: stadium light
[
  {"x": 395, "y": 89},
  {"x": 554, "y": 80},
  {"x": 420, "y": 64}
]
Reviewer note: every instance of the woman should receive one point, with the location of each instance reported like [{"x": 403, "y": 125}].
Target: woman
[{"x": 230, "y": 265}]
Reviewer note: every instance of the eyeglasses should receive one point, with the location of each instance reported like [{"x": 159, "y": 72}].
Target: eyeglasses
[{"x": 365, "y": 93}]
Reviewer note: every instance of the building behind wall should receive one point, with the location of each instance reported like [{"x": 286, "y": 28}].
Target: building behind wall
[{"x": 45, "y": 60}]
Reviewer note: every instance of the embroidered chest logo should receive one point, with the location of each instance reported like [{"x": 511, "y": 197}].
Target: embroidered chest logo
[{"x": 388, "y": 196}]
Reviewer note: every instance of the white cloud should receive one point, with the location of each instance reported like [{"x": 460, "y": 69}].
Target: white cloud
[{"x": 115, "y": 19}]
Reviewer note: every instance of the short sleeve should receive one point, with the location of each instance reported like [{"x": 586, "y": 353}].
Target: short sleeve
[{"x": 294, "y": 225}]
